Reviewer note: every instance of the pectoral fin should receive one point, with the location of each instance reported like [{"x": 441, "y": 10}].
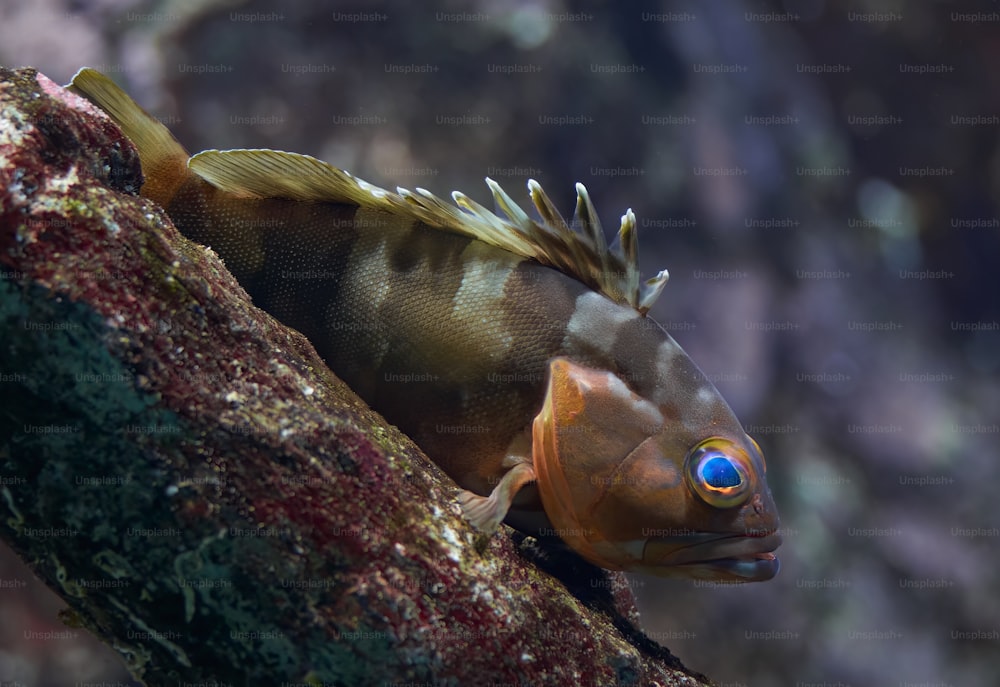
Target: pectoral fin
[{"x": 487, "y": 512}]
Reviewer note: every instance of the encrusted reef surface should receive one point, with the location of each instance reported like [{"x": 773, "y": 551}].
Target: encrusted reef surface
[{"x": 202, "y": 491}]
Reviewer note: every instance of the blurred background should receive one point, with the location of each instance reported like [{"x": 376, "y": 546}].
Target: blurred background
[{"x": 819, "y": 176}]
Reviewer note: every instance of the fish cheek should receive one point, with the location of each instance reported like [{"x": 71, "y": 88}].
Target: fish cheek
[
  {"x": 647, "y": 492},
  {"x": 588, "y": 424}
]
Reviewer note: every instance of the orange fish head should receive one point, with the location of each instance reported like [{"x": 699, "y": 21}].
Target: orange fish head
[{"x": 632, "y": 488}]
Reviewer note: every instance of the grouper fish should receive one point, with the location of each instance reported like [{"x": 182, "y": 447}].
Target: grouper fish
[{"x": 517, "y": 352}]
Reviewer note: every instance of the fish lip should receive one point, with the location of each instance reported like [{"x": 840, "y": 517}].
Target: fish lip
[{"x": 736, "y": 557}]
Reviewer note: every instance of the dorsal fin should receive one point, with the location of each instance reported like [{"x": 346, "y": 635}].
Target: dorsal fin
[
  {"x": 164, "y": 160},
  {"x": 584, "y": 256}
]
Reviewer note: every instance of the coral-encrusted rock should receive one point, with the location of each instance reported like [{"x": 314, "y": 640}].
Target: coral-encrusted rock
[{"x": 201, "y": 490}]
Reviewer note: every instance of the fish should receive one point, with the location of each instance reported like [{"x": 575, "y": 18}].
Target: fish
[{"x": 517, "y": 352}]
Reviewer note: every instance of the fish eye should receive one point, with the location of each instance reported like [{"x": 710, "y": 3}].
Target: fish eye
[{"x": 718, "y": 471}]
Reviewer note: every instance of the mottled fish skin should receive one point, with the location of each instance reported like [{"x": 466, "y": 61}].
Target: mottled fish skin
[
  {"x": 408, "y": 316},
  {"x": 457, "y": 342}
]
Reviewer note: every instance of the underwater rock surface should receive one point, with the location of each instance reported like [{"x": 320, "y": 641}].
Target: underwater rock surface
[{"x": 207, "y": 497}]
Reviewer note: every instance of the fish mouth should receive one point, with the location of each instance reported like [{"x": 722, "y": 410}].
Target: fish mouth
[{"x": 733, "y": 558}]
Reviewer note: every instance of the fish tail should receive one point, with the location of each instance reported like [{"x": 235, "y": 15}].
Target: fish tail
[{"x": 164, "y": 160}]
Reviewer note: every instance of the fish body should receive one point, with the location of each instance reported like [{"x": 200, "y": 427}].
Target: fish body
[{"x": 517, "y": 354}]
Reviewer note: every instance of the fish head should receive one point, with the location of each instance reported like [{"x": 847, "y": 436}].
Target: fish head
[{"x": 639, "y": 486}]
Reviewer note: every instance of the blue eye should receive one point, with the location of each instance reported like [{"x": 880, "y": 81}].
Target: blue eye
[{"x": 720, "y": 472}]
